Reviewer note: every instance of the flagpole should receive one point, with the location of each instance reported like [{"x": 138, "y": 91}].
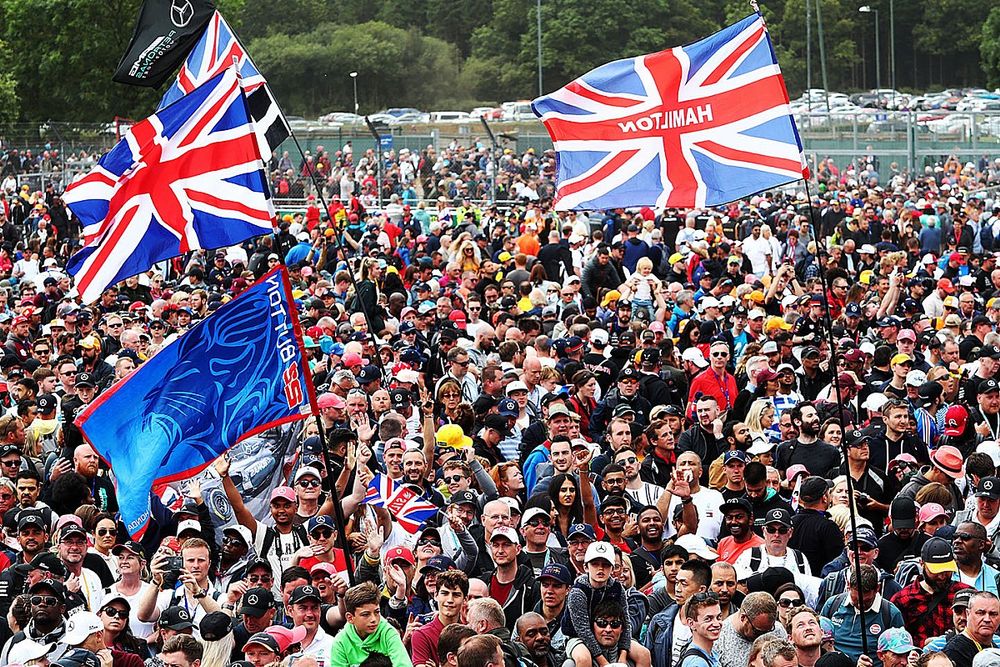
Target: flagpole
[
  {"x": 828, "y": 323},
  {"x": 326, "y": 207},
  {"x": 338, "y": 509}
]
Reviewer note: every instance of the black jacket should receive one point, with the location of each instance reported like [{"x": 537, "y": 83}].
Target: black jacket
[
  {"x": 817, "y": 537},
  {"x": 522, "y": 596}
]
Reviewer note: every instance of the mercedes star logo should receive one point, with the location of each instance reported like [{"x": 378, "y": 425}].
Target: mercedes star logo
[{"x": 181, "y": 12}]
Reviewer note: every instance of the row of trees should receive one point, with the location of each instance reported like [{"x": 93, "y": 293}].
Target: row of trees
[{"x": 57, "y": 56}]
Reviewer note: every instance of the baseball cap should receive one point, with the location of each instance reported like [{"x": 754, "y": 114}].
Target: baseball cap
[
  {"x": 399, "y": 553},
  {"x": 901, "y": 359},
  {"x": 695, "y": 356},
  {"x": 303, "y": 593},
  {"x": 584, "y": 529},
  {"x": 938, "y": 556},
  {"x": 175, "y": 618},
  {"x": 813, "y": 488},
  {"x": 131, "y": 547},
  {"x": 438, "y": 564},
  {"x": 779, "y": 515},
  {"x": 736, "y": 504},
  {"x": 735, "y": 455},
  {"x": 600, "y": 550},
  {"x": 955, "y": 420},
  {"x": 50, "y": 563},
  {"x": 989, "y": 487},
  {"x": 963, "y": 598},
  {"x": 507, "y": 407},
  {"x": 903, "y": 513},
  {"x": 795, "y": 470},
  {"x": 988, "y": 657},
  {"x": 464, "y": 497},
  {"x": 531, "y": 513},
  {"x": 896, "y": 640},
  {"x": 188, "y": 524},
  {"x": 27, "y": 650},
  {"x": 78, "y": 657},
  {"x": 330, "y": 400},
  {"x": 866, "y": 536},
  {"x": 286, "y": 637},
  {"x": 696, "y": 546},
  {"x": 506, "y": 533},
  {"x": 558, "y": 572},
  {"x": 215, "y": 625},
  {"x": 31, "y": 519},
  {"x": 285, "y": 493},
  {"x": 930, "y": 511},
  {"x": 264, "y": 640},
  {"x": 321, "y": 521},
  {"x": 256, "y": 602}
]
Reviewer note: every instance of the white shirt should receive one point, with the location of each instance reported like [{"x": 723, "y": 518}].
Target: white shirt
[
  {"x": 139, "y": 629},
  {"x": 757, "y": 251},
  {"x": 707, "y": 502},
  {"x": 319, "y": 648},
  {"x": 788, "y": 561}
]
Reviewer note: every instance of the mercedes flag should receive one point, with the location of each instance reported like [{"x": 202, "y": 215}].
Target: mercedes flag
[{"x": 164, "y": 34}]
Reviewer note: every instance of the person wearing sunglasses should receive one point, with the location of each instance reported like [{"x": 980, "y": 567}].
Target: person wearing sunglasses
[
  {"x": 322, "y": 532},
  {"x": 835, "y": 582},
  {"x": 114, "y": 615},
  {"x": 47, "y": 612},
  {"x": 309, "y": 491},
  {"x": 775, "y": 552}
]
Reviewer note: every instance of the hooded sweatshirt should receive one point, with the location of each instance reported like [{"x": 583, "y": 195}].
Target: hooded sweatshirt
[{"x": 350, "y": 650}]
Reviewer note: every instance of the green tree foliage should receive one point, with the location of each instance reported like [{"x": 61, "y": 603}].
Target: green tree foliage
[
  {"x": 439, "y": 53},
  {"x": 9, "y": 103}
]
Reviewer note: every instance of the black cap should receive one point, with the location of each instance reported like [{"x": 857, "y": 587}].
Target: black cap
[
  {"x": 737, "y": 504},
  {"x": 175, "y": 618},
  {"x": 26, "y": 519},
  {"x": 438, "y": 564},
  {"x": 622, "y": 409},
  {"x": 215, "y": 626},
  {"x": 400, "y": 398},
  {"x": 9, "y": 449},
  {"x": 85, "y": 379},
  {"x": 989, "y": 386},
  {"x": 929, "y": 392},
  {"x": 368, "y": 374},
  {"x": 50, "y": 563},
  {"x": 857, "y": 437},
  {"x": 498, "y": 423},
  {"x": 46, "y": 403},
  {"x": 130, "y": 546},
  {"x": 810, "y": 351},
  {"x": 71, "y": 529},
  {"x": 991, "y": 351},
  {"x": 256, "y": 602},
  {"x": 989, "y": 487},
  {"x": 937, "y": 555},
  {"x": 467, "y": 497},
  {"x": 778, "y": 515},
  {"x": 558, "y": 572},
  {"x": 835, "y": 659},
  {"x": 812, "y": 489},
  {"x": 57, "y": 588},
  {"x": 903, "y": 513},
  {"x": 303, "y": 593},
  {"x": 628, "y": 373}
]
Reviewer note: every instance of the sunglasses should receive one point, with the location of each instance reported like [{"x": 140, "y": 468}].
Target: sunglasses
[
  {"x": 47, "y": 600},
  {"x": 965, "y": 537},
  {"x": 117, "y": 613},
  {"x": 424, "y": 541},
  {"x": 12, "y": 463},
  {"x": 323, "y": 534},
  {"x": 260, "y": 579},
  {"x": 780, "y": 530},
  {"x": 309, "y": 483},
  {"x": 453, "y": 479},
  {"x": 720, "y": 355},
  {"x": 788, "y": 603},
  {"x": 463, "y": 364},
  {"x": 627, "y": 461},
  {"x": 539, "y": 521},
  {"x": 614, "y": 624},
  {"x": 866, "y": 548},
  {"x": 104, "y": 532}
]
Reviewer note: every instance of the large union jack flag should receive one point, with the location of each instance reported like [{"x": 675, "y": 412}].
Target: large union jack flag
[
  {"x": 216, "y": 51},
  {"x": 408, "y": 508},
  {"x": 696, "y": 125},
  {"x": 188, "y": 177}
]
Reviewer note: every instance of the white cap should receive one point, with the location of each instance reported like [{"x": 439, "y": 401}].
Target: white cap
[
  {"x": 875, "y": 402},
  {"x": 927, "y": 259},
  {"x": 27, "y": 650},
  {"x": 755, "y": 313},
  {"x": 600, "y": 550},
  {"x": 990, "y": 448},
  {"x": 599, "y": 336},
  {"x": 709, "y": 302},
  {"x": 696, "y": 545},
  {"x": 504, "y": 531},
  {"x": 695, "y": 356},
  {"x": 242, "y": 531},
  {"x": 966, "y": 281},
  {"x": 81, "y": 625},
  {"x": 867, "y": 347},
  {"x": 770, "y": 347},
  {"x": 188, "y": 524},
  {"x": 727, "y": 300},
  {"x": 761, "y": 446},
  {"x": 915, "y": 378},
  {"x": 867, "y": 249},
  {"x": 516, "y": 385},
  {"x": 530, "y": 514},
  {"x": 782, "y": 367},
  {"x": 304, "y": 471}
]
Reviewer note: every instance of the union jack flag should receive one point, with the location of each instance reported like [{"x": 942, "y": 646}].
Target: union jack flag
[
  {"x": 409, "y": 508},
  {"x": 216, "y": 51},
  {"x": 693, "y": 126},
  {"x": 188, "y": 177}
]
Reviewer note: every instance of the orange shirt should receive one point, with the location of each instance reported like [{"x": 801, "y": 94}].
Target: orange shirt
[
  {"x": 528, "y": 244},
  {"x": 729, "y": 549}
]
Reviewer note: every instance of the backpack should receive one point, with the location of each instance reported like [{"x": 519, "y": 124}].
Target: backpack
[
  {"x": 688, "y": 652},
  {"x": 270, "y": 540},
  {"x": 884, "y": 614},
  {"x": 756, "y": 558}
]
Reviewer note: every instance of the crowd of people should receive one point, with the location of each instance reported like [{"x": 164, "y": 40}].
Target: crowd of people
[{"x": 763, "y": 434}]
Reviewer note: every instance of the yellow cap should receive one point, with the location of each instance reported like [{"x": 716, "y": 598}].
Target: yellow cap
[
  {"x": 613, "y": 295},
  {"x": 757, "y": 296},
  {"x": 452, "y": 435},
  {"x": 775, "y": 322},
  {"x": 901, "y": 359},
  {"x": 866, "y": 277}
]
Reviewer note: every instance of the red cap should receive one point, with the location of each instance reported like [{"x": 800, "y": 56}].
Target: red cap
[
  {"x": 458, "y": 317},
  {"x": 315, "y": 332},
  {"x": 944, "y": 283},
  {"x": 955, "y": 257},
  {"x": 352, "y": 359},
  {"x": 20, "y": 319},
  {"x": 399, "y": 553},
  {"x": 330, "y": 400},
  {"x": 136, "y": 305},
  {"x": 955, "y": 419}
]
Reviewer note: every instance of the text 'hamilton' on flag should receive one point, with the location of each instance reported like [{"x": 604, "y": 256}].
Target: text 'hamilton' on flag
[
  {"x": 696, "y": 125},
  {"x": 236, "y": 373},
  {"x": 217, "y": 49},
  {"x": 164, "y": 33},
  {"x": 188, "y": 177}
]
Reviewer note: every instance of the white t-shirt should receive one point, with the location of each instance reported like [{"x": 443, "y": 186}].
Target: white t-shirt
[
  {"x": 707, "y": 502},
  {"x": 757, "y": 251},
  {"x": 789, "y": 561},
  {"x": 681, "y": 638},
  {"x": 139, "y": 629}
]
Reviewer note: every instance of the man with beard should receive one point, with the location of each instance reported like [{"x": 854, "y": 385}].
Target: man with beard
[
  {"x": 614, "y": 515},
  {"x": 871, "y": 486},
  {"x": 72, "y": 547},
  {"x": 706, "y": 438},
  {"x": 818, "y": 457},
  {"x": 756, "y": 617},
  {"x": 626, "y": 391},
  {"x": 724, "y": 585},
  {"x": 48, "y": 610},
  {"x": 534, "y": 637},
  {"x": 896, "y": 439},
  {"x": 234, "y": 556},
  {"x": 970, "y": 543},
  {"x": 32, "y": 537},
  {"x": 737, "y": 525},
  {"x": 87, "y": 463},
  {"x": 816, "y": 535},
  {"x": 639, "y": 491},
  {"x": 807, "y": 636},
  {"x": 646, "y": 555},
  {"x": 91, "y": 361},
  {"x": 926, "y": 602},
  {"x": 553, "y": 586}
]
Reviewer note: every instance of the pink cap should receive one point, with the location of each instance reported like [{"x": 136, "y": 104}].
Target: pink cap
[
  {"x": 286, "y": 492},
  {"x": 409, "y": 310},
  {"x": 330, "y": 400},
  {"x": 795, "y": 470},
  {"x": 286, "y": 637},
  {"x": 930, "y": 511},
  {"x": 351, "y": 359},
  {"x": 323, "y": 567},
  {"x": 657, "y": 327},
  {"x": 906, "y": 334}
]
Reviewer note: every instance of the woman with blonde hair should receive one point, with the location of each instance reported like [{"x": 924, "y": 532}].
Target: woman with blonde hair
[
  {"x": 467, "y": 256},
  {"x": 759, "y": 419}
]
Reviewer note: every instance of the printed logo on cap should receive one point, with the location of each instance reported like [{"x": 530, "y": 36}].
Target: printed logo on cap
[
  {"x": 252, "y": 599},
  {"x": 183, "y": 615},
  {"x": 988, "y": 484}
]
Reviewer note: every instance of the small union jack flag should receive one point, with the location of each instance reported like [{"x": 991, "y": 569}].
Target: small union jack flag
[
  {"x": 408, "y": 507},
  {"x": 188, "y": 177},
  {"x": 216, "y": 51},
  {"x": 696, "y": 125}
]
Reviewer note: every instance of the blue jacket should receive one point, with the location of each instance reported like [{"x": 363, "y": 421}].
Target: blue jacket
[
  {"x": 538, "y": 455},
  {"x": 847, "y": 625},
  {"x": 660, "y": 636},
  {"x": 298, "y": 252}
]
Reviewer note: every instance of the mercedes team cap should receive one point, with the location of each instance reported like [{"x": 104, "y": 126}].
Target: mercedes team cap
[{"x": 600, "y": 550}]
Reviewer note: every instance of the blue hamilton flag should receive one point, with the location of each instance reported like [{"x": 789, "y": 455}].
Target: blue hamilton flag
[{"x": 239, "y": 372}]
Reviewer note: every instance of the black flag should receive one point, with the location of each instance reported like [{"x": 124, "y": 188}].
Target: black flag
[{"x": 164, "y": 34}]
